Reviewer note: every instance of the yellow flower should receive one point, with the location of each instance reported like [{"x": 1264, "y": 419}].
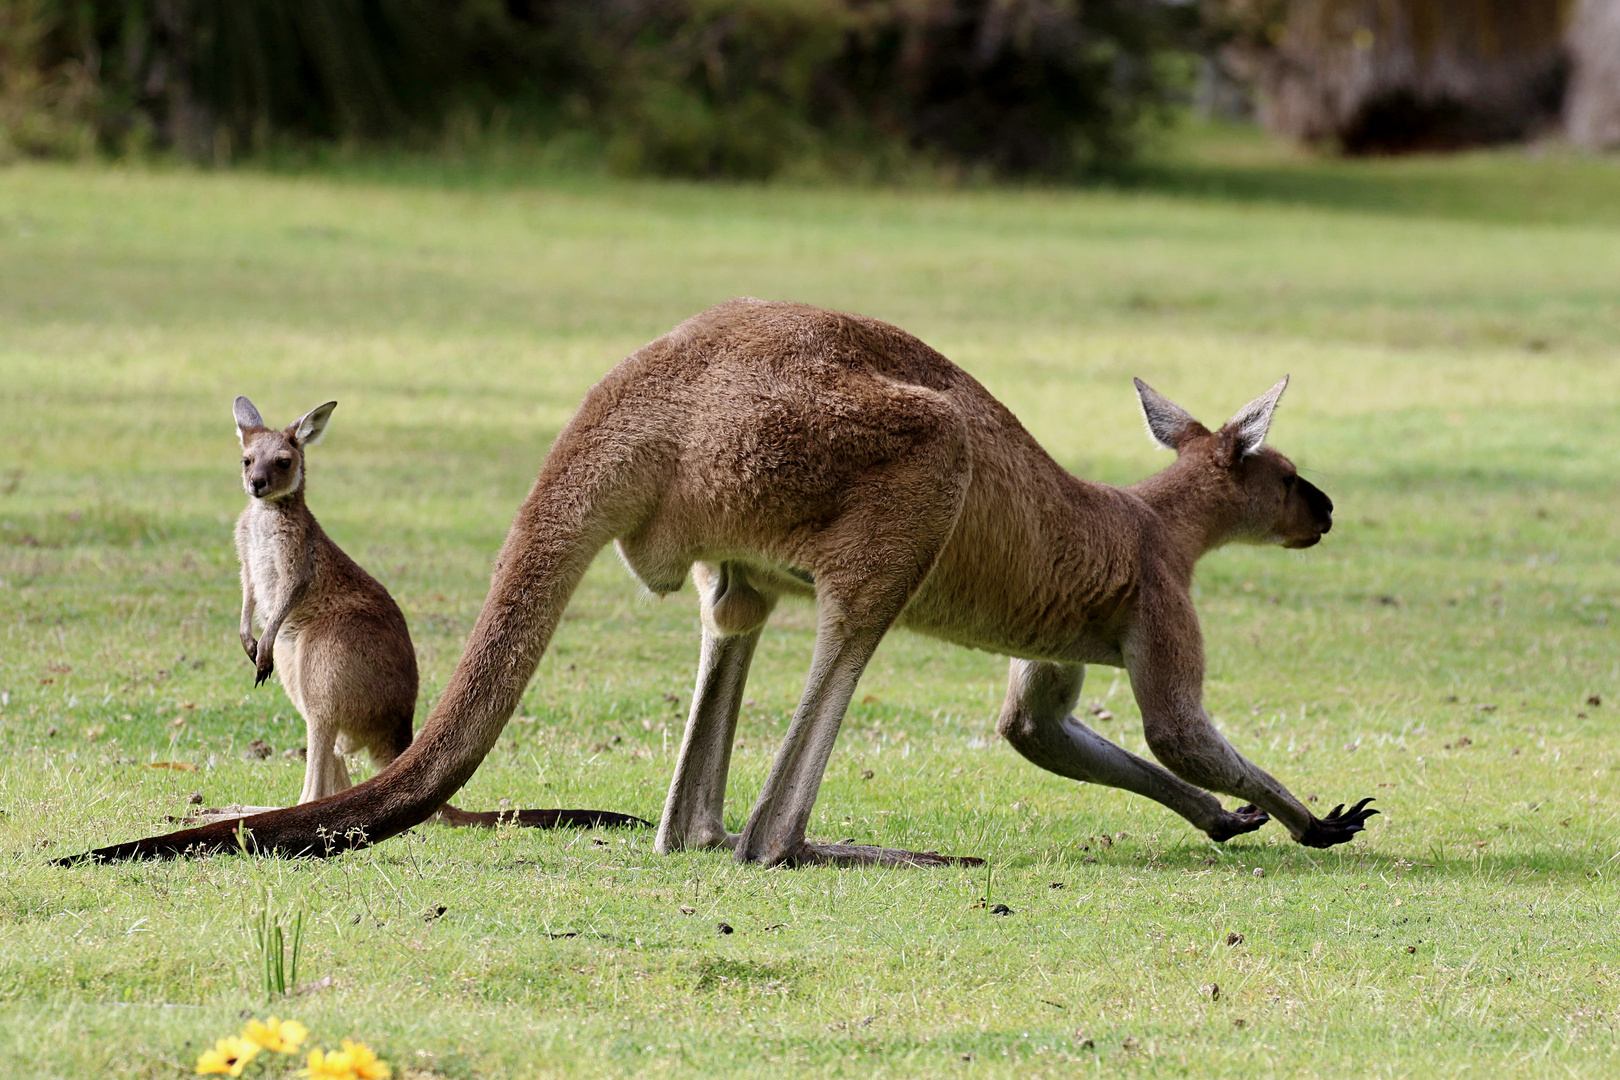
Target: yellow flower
[
  {"x": 229, "y": 1055},
  {"x": 356, "y": 1061},
  {"x": 282, "y": 1036},
  {"x": 365, "y": 1063},
  {"x": 324, "y": 1066}
]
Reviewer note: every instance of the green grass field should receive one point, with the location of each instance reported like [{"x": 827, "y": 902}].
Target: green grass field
[{"x": 1452, "y": 329}]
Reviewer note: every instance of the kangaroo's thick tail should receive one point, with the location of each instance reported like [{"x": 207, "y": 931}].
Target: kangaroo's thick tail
[
  {"x": 538, "y": 819},
  {"x": 592, "y": 488}
]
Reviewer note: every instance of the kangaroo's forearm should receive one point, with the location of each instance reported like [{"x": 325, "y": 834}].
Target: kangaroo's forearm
[
  {"x": 294, "y": 597},
  {"x": 244, "y": 628},
  {"x": 1191, "y": 747},
  {"x": 1259, "y": 787}
]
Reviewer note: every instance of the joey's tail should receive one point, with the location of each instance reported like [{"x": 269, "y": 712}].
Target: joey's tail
[{"x": 591, "y": 489}]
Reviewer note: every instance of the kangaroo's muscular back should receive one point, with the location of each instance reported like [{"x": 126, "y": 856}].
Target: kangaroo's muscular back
[{"x": 775, "y": 418}]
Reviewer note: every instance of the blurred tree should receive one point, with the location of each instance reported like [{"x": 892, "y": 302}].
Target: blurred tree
[
  {"x": 688, "y": 87},
  {"x": 1026, "y": 86},
  {"x": 1592, "y": 110},
  {"x": 47, "y": 92},
  {"x": 1386, "y": 76}
]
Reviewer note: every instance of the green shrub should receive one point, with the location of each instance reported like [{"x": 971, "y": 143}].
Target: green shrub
[{"x": 680, "y": 87}]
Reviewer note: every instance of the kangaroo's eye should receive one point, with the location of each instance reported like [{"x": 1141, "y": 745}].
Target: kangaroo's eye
[
  {"x": 282, "y": 463},
  {"x": 246, "y": 462}
]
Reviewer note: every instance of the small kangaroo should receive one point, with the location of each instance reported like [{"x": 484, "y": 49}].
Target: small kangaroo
[
  {"x": 772, "y": 449},
  {"x": 332, "y": 633}
]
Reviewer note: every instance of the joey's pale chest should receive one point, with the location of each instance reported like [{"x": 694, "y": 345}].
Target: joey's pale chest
[{"x": 272, "y": 548}]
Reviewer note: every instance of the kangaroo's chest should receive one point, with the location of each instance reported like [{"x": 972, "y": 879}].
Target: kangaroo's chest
[{"x": 272, "y": 551}]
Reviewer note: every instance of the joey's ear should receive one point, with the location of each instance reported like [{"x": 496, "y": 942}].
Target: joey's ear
[
  {"x": 1168, "y": 423},
  {"x": 246, "y": 416},
  {"x": 309, "y": 428},
  {"x": 1248, "y": 428}
]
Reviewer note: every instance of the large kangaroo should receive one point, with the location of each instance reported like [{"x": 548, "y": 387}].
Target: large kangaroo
[{"x": 772, "y": 449}]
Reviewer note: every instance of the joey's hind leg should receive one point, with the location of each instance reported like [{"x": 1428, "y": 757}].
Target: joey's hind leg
[
  {"x": 324, "y": 771},
  {"x": 1038, "y": 720},
  {"x": 734, "y": 612},
  {"x": 324, "y": 774}
]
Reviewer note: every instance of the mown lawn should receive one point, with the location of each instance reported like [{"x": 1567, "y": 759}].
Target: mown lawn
[{"x": 1452, "y": 329}]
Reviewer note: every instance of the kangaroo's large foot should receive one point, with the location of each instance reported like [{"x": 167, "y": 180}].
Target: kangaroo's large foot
[
  {"x": 808, "y": 854},
  {"x": 1339, "y": 827},
  {"x": 1237, "y": 822}
]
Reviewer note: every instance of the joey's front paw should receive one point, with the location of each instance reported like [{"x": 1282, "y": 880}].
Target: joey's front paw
[
  {"x": 1339, "y": 827},
  {"x": 1237, "y": 822}
]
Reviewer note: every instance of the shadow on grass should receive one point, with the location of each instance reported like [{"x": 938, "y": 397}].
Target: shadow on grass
[
  {"x": 1548, "y": 184},
  {"x": 1503, "y": 187},
  {"x": 1193, "y": 859}
]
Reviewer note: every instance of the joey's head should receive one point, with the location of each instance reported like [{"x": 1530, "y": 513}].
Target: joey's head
[
  {"x": 1247, "y": 491},
  {"x": 273, "y": 458}
]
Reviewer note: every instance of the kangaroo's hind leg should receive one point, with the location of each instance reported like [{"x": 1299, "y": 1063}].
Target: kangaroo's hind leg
[
  {"x": 868, "y": 564},
  {"x": 1038, "y": 719},
  {"x": 353, "y": 691},
  {"x": 356, "y": 688},
  {"x": 289, "y": 651},
  {"x": 734, "y": 612},
  {"x": 324, "y": 771}
]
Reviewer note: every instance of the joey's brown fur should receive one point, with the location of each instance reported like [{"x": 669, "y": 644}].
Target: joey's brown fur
[
  {"x": 771, "y": 449},
  {"x": 331, "y": 633}
]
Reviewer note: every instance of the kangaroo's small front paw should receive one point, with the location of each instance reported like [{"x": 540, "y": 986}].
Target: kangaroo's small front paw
[
  {"x": 1339, "y": 827},
  {"x": 263, "y": 673},
  {"x": 1237, "y": 822}
]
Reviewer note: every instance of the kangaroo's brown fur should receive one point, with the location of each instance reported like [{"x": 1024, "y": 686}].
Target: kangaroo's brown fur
[
  {"x": 331, "y": 633},
  {"x": 781, "y": 449}
]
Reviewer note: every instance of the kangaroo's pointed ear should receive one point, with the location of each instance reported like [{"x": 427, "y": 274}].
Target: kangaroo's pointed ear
[
  {"x": 1168, "y": 423},
  {"x": 308, "y": 429},
  {"x": 247, "y": 417},
  {"x": 1248, "y": 428}
]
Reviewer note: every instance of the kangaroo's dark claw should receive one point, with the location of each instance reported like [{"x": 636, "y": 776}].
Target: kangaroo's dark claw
[
  {"x": 1237, "y": 822},
  {"x": 1340, "y": 826}
]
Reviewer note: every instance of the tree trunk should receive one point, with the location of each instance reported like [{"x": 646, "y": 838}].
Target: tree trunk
[
  {"x": 1592, "y": 109},
  {"x": 1386, "y": 76}
]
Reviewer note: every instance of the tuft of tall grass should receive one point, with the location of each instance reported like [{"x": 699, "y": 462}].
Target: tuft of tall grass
[{"x": 278, "y": 969}]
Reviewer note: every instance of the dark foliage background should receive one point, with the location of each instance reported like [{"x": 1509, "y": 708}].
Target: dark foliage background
[
  {"x": 1382, "y": 77},
  {"x": 682, "y": 87}
]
